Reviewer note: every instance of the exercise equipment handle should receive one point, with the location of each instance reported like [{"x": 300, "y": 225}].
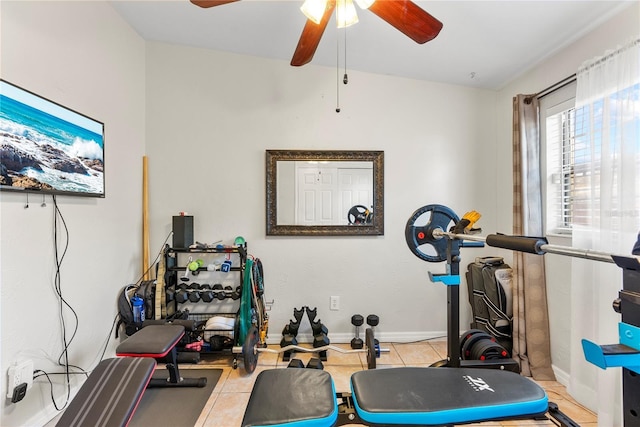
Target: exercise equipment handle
[{"x": 533, "y": 245}]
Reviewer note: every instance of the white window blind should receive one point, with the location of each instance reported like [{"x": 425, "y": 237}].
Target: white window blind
[{"x": 564, "y": 182}]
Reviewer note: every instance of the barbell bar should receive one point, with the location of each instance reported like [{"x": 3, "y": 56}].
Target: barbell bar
[
  {"x": 427, "y": 239},
  {"x": 250, "y": 350},
  {"x": 532, "y": 245}
]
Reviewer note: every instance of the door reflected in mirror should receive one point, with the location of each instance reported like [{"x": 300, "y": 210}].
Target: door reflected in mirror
[{"x": 325, "y": 192}]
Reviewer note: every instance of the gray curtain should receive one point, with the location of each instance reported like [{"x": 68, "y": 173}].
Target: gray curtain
[{"x": 531, "y": 346}]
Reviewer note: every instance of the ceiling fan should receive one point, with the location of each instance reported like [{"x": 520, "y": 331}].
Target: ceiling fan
[{"x": 404, "y": 15}]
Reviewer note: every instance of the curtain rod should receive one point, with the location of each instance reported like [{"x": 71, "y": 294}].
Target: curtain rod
[
  {"x": 572, "y": 78},
  {"x": 558, "y": 85}
]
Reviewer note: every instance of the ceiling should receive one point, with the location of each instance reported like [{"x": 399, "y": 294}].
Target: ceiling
[{"x": 483, "y": 44}]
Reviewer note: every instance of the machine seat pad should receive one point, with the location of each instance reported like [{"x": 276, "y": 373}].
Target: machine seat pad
[
  {"x": 151, "y": 341},
  {"x": 111, "y": 394},
  {"x": 294, "y": 397},
  {"x": 437, "y": 396}
]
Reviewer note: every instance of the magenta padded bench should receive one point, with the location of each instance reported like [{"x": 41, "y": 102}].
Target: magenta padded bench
[{"x": 159, "y": 342}]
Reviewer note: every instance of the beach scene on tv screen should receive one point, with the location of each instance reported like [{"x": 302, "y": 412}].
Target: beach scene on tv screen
[{"x": 46, "y": 147}]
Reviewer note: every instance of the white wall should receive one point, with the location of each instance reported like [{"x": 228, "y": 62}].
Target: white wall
[
  {"x": 81, "y": 55},
  {"x": 620, "y": 28},
  {"x": 212, "y": 115}
]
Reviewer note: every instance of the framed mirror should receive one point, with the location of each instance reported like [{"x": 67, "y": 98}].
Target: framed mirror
[{"x": 324, "y": 193}]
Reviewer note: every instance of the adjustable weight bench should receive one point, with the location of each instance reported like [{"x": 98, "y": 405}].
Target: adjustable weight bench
[
  {"x": 159, "y": 342},
  {"x": 111, "y": 394},
  {"x": 395, "y": 396}
]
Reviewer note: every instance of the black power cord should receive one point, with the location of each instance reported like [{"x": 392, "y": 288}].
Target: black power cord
[{"x": 63, "y": 359}]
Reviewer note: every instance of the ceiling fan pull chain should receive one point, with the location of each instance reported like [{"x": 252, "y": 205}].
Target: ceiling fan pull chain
[
  {"x": 337, "y": 72},
  {"x": 345, "y": 79}
]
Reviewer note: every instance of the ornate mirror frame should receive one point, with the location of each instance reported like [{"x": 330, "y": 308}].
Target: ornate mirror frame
[{"x": 376, "y": 228}]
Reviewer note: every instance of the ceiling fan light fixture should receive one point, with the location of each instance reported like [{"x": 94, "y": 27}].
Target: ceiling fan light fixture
[
  {"x": 365, "y": 4},
  {"x": 314, "y": 9},
  {"x": 346, "y": 13}
]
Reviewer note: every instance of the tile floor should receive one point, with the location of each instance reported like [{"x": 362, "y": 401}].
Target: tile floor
[{"x": 226, "y": 406}]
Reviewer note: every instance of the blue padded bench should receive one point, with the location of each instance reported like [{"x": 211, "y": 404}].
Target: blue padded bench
[
  {"x": 111, "y": 394},
  {"x": 292, "y": 397},
  {"x": 394, "y": 396}
]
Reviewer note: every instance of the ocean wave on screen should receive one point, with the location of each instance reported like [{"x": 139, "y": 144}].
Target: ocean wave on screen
[
  {"x": 23, "y": 132},
  {"x": 85, "y": 149},
  {"x": 66, "y": 181}
]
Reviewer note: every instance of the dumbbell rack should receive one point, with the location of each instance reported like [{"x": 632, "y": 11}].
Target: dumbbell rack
[{"x": 181, "y": 279}]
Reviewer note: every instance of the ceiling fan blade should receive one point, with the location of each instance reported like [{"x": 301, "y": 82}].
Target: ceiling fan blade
[
  {"x": 409, "y": 18},
  {"x": 211, "y": 3},
  {"x": 310, "y": 37}
]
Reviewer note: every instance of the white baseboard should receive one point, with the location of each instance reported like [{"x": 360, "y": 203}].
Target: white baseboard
[{"x": 561, "y": 376}]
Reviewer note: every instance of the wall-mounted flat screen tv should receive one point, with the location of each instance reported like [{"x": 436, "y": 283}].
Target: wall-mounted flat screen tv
[{"x": 48, "y": 148}]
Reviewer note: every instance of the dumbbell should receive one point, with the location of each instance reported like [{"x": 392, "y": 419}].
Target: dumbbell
[
  {"x": 182, "y": 295},
  {"x": 170, "y": 293},
  {"x": 290, "y": 331},
  {"x": 318, "y": 328},
  {"x": 287, "y": 340},
  {"x": 357, "y": 321},
  {"x": 229, "y": 292},
  {"x": 315, "y": 363},
  {"x": 293, "y": 326},
  {"x": 206, "y": 293},
  {"x": 489, "y": 350},
  {"x": 218, "y": 291},
  {"x": 194, "y": 266},
  {"x": 469, "y": 338},
  {"x": 476, "y": 344},
  {"x": 295, "y": 363},
  {"x": 320, "y": 340},
  {"x": 373, "y": 320},
  {"x": 194, "y": 292}
]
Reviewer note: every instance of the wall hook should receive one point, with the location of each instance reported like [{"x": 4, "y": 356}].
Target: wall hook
[{"x": 26, "y": 206}]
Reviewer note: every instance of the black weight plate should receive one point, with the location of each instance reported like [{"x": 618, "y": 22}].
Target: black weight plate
[
  {"x": 467, "y": 348},
  {"x": 371, "y": 350},
  {"x": 359, "y": 214},
  {"x": 464, "y": 337},
  {"x": 420, "y": 228},
  {"x": 250, "y": 350},
  {"x": 488, "y": 350}
]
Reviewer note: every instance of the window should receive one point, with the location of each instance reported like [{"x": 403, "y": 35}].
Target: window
[
  {"x": 573, "y": 164},
  {"x": 564, "y": 183}
]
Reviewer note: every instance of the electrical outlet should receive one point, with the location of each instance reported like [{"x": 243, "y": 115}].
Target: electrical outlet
[
  {"x": 334, "y": 303},
  {"x": 20, "y": 372}
]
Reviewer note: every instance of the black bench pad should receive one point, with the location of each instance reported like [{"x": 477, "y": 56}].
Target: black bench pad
[
  {"x": 110, "y": 395},
  {"x": 437, "y": 396},
  {"x": 305, "y": 397},
  {"x": 151, "y": 341}
]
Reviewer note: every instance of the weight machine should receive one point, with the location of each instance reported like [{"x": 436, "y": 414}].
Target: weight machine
[{"x": 442, "y": 236}]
